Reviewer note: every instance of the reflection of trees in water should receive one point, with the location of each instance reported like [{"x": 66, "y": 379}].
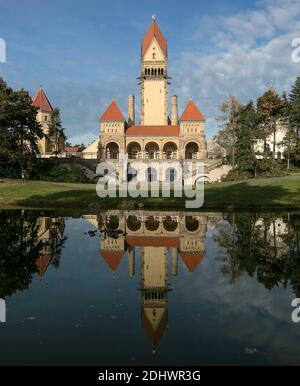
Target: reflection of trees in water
[
  {"x": 20, "y": 248},
  {"x": 255, "y": 246}
]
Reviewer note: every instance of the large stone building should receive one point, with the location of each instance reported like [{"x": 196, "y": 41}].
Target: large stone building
[{"x": 160, "y": 134}]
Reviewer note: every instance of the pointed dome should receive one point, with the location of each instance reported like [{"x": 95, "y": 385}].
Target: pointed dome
[
  {"x": 112, "y": 258},
  {"x": 192, "y": 113},
  {"x": 112, "y": 113},
  {"x": 42, "y": 263},
  {"x": 191, "y": 260},
  {"x": 154, "y": 334},
  {"x": 154, "y": 32},
  {"x": 41, "y": 102}
]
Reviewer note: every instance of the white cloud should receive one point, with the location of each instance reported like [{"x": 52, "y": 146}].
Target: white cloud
[{"x": 247, "y": 51}]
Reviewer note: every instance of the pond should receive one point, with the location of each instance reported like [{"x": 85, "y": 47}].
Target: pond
[{"x": 149, "y": 288}]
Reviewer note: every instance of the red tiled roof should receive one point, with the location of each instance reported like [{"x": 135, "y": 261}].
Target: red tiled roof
[
  {"x": 41, "y": 102},
  {"x": 155, "y": 335},
  {"x": 192, "y": 113},
  {"x": 42, "y": 263},
  {"x": 153, "y": 241},
  {"x": 191, "y": 260},
  {"x": 112, "y": 113},
  {"x": 160, "y": 131},
  {"x": 154, "y": 31},
  {"x": 112, "y": 258}
]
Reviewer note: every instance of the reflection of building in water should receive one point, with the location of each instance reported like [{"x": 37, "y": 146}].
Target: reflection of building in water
[
  {"x": 161, "y": 238},
  {"x": 273, "y": 232},
  {"x": 50, "y": 236}
]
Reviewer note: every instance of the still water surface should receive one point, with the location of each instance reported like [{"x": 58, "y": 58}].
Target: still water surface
[{"x": 149, "y": 288}]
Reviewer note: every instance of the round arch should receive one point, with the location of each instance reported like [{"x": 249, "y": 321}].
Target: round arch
[
  {"x": 112, "y": 150},
  {"x": 133, "y": 149},
  {"x": 191, "y": 150},
  {"x": 169, "y": 224},
  {"x": 152, "y": 148},
  {"x": 191, "y": 224},
  {"x": 151, "y": 224},
  {"x": 112, "y": 223},
  {"x": 133, "y": 223},
  {"x": 170, "y": 150}
]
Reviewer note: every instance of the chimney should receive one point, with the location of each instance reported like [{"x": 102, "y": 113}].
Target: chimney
[
  {"x": 174, "y": 116},
  {"x": 131, "y": 110}
]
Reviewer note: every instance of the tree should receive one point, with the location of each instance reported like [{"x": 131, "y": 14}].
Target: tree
[
  {"x": 56, "y": 131},
  {"x": 246, "y": 136},
  {"x": 270, "y": 108},
  {"x": 228, "y": 121},
  {"x": 293, "y": 122},
  {"x": 19, "y": 129},
  {"x": 101, "y": 150}
]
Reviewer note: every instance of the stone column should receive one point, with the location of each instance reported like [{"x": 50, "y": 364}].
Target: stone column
[{"x": 174, "y": 116}]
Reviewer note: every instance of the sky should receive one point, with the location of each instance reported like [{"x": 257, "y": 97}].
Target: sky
[{"x": 86, "y": 52}]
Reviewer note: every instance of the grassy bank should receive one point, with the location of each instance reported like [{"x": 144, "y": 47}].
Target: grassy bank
[{"x": 267, "y": 193}]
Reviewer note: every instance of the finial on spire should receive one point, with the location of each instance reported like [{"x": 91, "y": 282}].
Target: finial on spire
[
  {"x": 271, "y": 83},
  {"x": 154, "y": 18},
  {"x": 41, "y": 87}
]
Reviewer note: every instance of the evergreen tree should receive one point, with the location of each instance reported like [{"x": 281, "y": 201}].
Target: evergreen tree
[
  {"x": 293, "y": 122},
  {"x": 56, "y": 131},
  {"x": 228, "y": 120},
  {"x": 19, "y": 129},
  {"x": 246, "y": 135},
  {"x": 270, "y": 108}
]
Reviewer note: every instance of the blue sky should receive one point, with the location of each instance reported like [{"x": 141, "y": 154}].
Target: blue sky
[{"x": 84, "y": 53}]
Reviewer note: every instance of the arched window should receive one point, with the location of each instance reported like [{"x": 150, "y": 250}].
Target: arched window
[
  {"x": 151, "y": 224},
  {"x": 133, "y": 149},
  {"x": 170, "y": 150},
  {"x": 169, "y": 224},
  {"x": 155, "y": 71},
  {"x": 112, "y": 150},
  {"x": 191, "y": 223},
  {"x": 162, "y": 71},
  {"x": 151, "y": 150},
  {"x": 133, "y": 223},
  {"x": 152, "y": 71},
  {"x": 191, "y": 150},
  {"x": 154, "y": 55},
  {"x": 112, "y": 223}
]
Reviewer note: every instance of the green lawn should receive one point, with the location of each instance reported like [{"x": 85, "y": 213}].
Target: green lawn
[{"x": 267, "y": 193}]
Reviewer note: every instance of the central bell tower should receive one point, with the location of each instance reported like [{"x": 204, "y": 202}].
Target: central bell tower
[{"x": 154, "y": 77}]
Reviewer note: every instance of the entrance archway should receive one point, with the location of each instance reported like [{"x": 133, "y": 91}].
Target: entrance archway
[{"x": 191, "y": 150}]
